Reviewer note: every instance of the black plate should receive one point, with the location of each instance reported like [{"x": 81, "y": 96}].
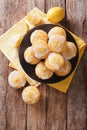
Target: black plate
[{"x": 30, "y": 69}]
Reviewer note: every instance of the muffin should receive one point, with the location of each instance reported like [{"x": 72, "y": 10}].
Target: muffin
[
  {"x": 16, "y": 79},
  {"x": 40, "y": 49},
  {"x": 56, "y": 31},
  {"x": 66, "y": 68},
  {"x": 29, "y": 56},
  {"x": 30, "y": 95},
  {"x": 70, "y": 51},
  {"x": 42, "y": 71},
  {"x": 57, "y": 43},
  {"x": 38, "y": 34},
  {"x": 54, "y": 61},
  {"x": 33, "y": 19}
]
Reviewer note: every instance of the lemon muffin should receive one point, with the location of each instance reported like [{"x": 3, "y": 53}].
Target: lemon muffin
[
  {"x": 40, "y": 49},
  {"x": 30, "y": 94},
  {"x": 57, "y": 43},
  {"x": 38, "y": 34},
  {"x": 70, "y": 51},
  {"x": 42, "y": 71},
  {"x": 16, "y": 79},
  {"x": 54, "y": 61},
  {"x": 65, "y": 69},
  {"x": 32, "y": 18},
  {"x": 57, "y": 31},
  {"x": 29, "y": 56}
]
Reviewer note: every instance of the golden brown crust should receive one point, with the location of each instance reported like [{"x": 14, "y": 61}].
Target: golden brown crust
[
  {"x": 40, "y": 49},
  {"x": 38, "y": 34},
  {"x": 29, "y": 56},
  {"x": 65, "y": 69},
  {"x": 54, "y": 61},
  {"x": 57, "y": 43},
  {"x": 42, "y": 71},
  {"x": 30, "y": 95},
  {"x": 56, "y": 31},
  {"x": 70, "y": 51},
  {"x": 47, "y": 64}
]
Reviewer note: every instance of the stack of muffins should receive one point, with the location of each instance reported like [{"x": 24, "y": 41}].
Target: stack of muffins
[{"x": 50, "y": 53}]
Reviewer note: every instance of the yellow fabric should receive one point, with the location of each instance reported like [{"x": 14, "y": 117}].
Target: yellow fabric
[
  {"x": 12, "y": 53},
  {"x": 64, "y": 85}
]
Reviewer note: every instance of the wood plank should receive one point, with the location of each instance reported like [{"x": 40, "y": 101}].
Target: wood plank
[
  {"x": 56, "y": 101},
  {"x": 55, "y": 3},
  {"x": 3, "y": 85},
  {"x": 15, "y": 108},
  {"x": 15, "y": 11},
  {"x": 40, "y": 4},
  {"x": 36, "y": 114},
  {"x": 3, "y": 72},
  {"x": 56, "y": 110},
  {"x": 77, "y": 94}
]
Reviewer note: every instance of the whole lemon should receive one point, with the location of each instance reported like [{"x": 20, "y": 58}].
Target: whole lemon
[{"x": 55, "y": 14}]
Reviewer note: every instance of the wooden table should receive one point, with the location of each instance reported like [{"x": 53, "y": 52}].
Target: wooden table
[{"x": 55, "y": 110}]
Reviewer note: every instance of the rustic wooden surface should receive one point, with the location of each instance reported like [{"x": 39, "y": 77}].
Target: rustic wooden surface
[{"x": 55, "y": 110}]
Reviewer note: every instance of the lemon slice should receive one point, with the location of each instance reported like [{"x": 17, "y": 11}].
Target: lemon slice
[
  {"x": 55, "y": 14},
  {"x": 12, "y": 65},
  {"x": 21, "y": 28},
  {"x": 29, "y": 24},
  {"x": 15, "y": 40}
]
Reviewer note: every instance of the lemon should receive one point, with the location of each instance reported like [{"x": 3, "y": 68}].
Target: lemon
[
  {"x": 15, "y": 40},
  {"x": 21, "y": 28},
  {"x": 55, "y": 14}
]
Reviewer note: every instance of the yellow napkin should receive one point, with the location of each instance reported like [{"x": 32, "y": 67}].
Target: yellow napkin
[
  {"x": 64, "y": 85},
  {"x": 12, "y": 53}
]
